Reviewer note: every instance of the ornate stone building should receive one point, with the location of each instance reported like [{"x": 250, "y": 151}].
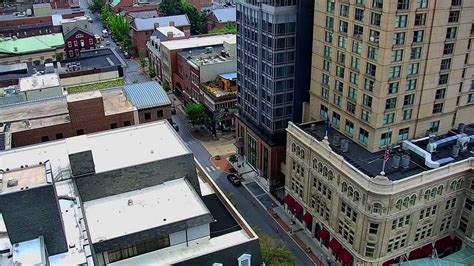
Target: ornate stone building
[{"x": 421, "y": 207}]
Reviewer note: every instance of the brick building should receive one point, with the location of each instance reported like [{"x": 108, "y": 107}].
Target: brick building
[
  {"x": 203, "y": 5},
  {"x": 77, "y": 40},
  {"x": 117, "y": 5},
  {"x": 219, "y": 18},
  {"x": 142, "y": 29},
  {"x": 77, "y": 114}
]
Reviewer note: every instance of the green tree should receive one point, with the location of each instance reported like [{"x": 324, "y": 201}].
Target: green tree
[
  {"x": 229, "y": 28},
  {"x": 58, "y": 56},
  {"x": 233, "y": 158},
  {"x": 166, "y": 86},
  {"x": 105, "y": 13},
  {"x": 120, "y": 26},
  {"x": 151, "y": 71},
  {"x": 196, "y": 114},
  {"x": 171, "y": 7},
  {"x": 96, "y": 5},
  {"x": 197, "y": 18},
  {"x": 273, "y": 250},
  {"x": 142, "y": 61}
]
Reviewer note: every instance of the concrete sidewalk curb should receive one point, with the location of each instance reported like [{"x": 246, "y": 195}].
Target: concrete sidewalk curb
[{"x": 271, "y": 216}]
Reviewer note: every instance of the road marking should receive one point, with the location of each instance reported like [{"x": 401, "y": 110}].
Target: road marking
[
  {"x": 213, "y": 169},
  {"x": 207, "y": 169}
]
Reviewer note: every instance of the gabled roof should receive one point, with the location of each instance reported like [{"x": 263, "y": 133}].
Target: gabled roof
[
  {"x": 31, "y": 44},
  {"x": 149, "y": 23},
  {"x": 74, "y": 31},
  {"x": 225, "y": 14},
  {"x": 146, "y": 95}
]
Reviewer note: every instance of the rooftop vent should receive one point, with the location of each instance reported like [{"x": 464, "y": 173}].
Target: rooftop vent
[
  {"x": 344, "y": 145},
  {"x": 12, "y": 183},
  {"x": 461, "y": 127},
  {"x": 130, "y": 202},
  {"x": 405, "y": 161},
  {"x": 456, "y": 149},
  {"x": 337, "y": 140},
  {"x": 396, "y": 161},
  {"x": 208, "y": 49}
]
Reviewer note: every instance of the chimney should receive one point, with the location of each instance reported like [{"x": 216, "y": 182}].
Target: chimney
[
  {"x": 187, "y": 33},
  {"x": 169, "y": 34},
  {"x": 157, "y": 25},
  {"x": 171, "y": 23}
]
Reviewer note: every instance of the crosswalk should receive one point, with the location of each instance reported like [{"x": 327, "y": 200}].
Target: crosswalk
[{"x": 210, "y": 169}]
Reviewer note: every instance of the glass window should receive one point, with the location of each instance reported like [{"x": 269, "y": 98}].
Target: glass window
[
  {"x": 397, "y": 55},
  {"x": 375, "y": 19},
  {"x": 369, "y": 84},
  {"x": 363, "y": 135},
  {"x": 403, "y": 135},
  {"x": 433, "y": 126},
  {"x": 352, "y": 94},
  {"x": 403, "y": 4},
  {"x": 330, "y": 22},
  {"x": 421, "y": 3},
  {"x": 349, "y": 127},
  {"x": 420, "y": 19},
  {"x": 443, "y": 79},
  {"x": 440, "y": 94},
  {"x": 377, "y": 3},
  {"x": 388, "y": 118},
  {"x": 453, "y": 16},
  {"x": 367, "y": 100},
  {"x": 445, "y": 64},
  {"x": 437, "y": 108},
  {"x": 351, "y": 107},
  {"x": 418, "y": 36},
  {"x": 328, "y": 36},
  {"x": 330, "y": 6},
  {"x": 344, "y": 11},
  {"x": 394, "y": 71},
  {"x": 385, "y": 138},
  {"x": 411, "y": 84},
  {"x": 413, "y": 68},
  {"x": 355, "y": 62},
  {"x": 393, "y": 87},
  {"x": 401, "y": 21},
  {"x": 406, "y": 115},
  {"x": 398, "y": 38},
  {"x": 343, "y": 26},
  {"x": 391, "y": 103},
  {"x": 365, "y": 115},
  {"x": 415, "y": 53},
  {"x": 408, "y": 99},
  {"x": 448, "y": 48},
  {"x": 451, "y": 32},
  {"x": 356, "y": 47},
  {"x": 371, "y": 69},
  {"x": 359, "y": 14},
  {"x": 341, "y": 42},
  {"x": 373, "y": 53}
]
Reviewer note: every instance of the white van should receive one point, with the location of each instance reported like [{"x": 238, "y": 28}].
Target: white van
[{"x": 105, "y": 34}]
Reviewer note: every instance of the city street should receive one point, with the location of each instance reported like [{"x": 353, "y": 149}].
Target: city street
[
  {"x": 131, "y": 71},
  {"x": 255, "y": 216}
]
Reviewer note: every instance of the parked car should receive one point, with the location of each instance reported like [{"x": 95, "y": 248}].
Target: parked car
[
  {"x": 126, "y": 55},
  {"x": 234, "y": 179},
  {"x": 107, "y": 43}
]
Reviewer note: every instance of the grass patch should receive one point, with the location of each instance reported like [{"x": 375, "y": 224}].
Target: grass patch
[{"x": 96, "y": 86}]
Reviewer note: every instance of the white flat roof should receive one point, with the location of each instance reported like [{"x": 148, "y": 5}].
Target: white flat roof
[
  {"x": 178, "y": 253},
  {"x": 176, "y": 32},
  {"x": 139, "y": 210},
  {"x": 199, "y": 41},
  {"x": 37, "y": 82},
  {"x": 28, "y": 253},
  {"x": 111, "y": 150}
]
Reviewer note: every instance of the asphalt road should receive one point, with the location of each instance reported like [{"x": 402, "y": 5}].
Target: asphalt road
[
  {"x": 255, "y": 216},
  {"x": 131, "y": 73}
]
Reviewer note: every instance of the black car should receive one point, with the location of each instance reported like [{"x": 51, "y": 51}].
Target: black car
[{"x": 234, "y": 179}]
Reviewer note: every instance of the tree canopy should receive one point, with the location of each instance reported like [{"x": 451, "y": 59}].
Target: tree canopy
[
  {"x": 273, "y": 250},
  {"x": 196, "y": 114},
  {"x": 171, "y": 7},
  {"x": 96, "y": 5}
]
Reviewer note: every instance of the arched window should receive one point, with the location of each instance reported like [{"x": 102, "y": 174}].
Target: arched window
[
  {"x": 433, "y": 192},
  {"x": 427, "y": 194},
  {"x": 302, "y": 154},
  {"x": 320, "y": 167},
  {"x": 325, "y": 171},
  {"x": 398, "y": 205},
  {"x": 293, "y": 147},
  {"x": 350, "y": 192},
  {"x": 459, "y": 184},
  {"x": 315, "y": 164},
  {"x": 330, "y": 175},
  {"x": 356, "y": 196},
  {"x": 344, "y": 187},
  {"x": 413, "y": 199},
  {"x": 454, "y": 184},
  {"x": 378, "y": 207},
  {"x": 405, "y": 202},
  {"x": 440, "y": 190},
  {"x": 298, "y": 151}
]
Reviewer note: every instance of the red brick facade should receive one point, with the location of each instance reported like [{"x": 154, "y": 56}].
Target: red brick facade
[
  {"x": 122, "y": 4},
  {"x": 86, "y": 116},
  {"x": 201, "y": 4},
  {"x": 182, "y": 79},
  {"x": 78, "y": 40}
]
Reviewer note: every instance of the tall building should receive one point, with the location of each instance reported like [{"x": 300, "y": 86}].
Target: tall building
[
  {"x": 386, "y": 71},
  {"x": 421, "y": 208},
  {"x": 273, "y": 69}
]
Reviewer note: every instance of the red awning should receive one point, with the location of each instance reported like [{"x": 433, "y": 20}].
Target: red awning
[
  {"x": 297, "y": 208},
  {"x": 334, "y": 245},
  {"x": 443, "y": 243},
  {"x": 388, "y": 263},
  {"x": 427, "y": 250},
  {"x": 416, "y": 254},
  {"x": 289, "y": 200},
  {"x": 323, "y": 233},
  {"x": 456, "y": 242},
  {"x": 307, "y": 218},
  {"x": 345, "y": 256}
]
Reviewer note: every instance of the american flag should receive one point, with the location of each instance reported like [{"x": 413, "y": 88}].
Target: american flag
[{"x": 386, "y": 155}]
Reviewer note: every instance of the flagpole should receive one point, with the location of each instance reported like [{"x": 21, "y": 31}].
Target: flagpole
[
  {"x": 383, "y": 168},
  {"x": 386, "y": 156}
]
